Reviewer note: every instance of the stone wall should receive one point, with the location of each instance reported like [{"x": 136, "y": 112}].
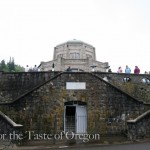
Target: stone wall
[
  {"x": 139, "y": 127},
  {"x": 42, "y": 109},
  {"x": 134, "y": 87},
  {"x": 13, "y": 85},
  {"x": 10, "y": 132}
]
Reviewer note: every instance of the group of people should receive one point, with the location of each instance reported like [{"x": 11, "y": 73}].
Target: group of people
[
  {"x": 27, "y": 69},
  {"x": 128, "y": 70}
]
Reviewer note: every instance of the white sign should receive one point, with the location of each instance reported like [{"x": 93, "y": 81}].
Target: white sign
[{"x": 75, "y": 85}]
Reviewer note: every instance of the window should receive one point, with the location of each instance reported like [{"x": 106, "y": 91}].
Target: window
[
  {"x": 74, "y": 55},
  {"x": 77, "y": 56}
]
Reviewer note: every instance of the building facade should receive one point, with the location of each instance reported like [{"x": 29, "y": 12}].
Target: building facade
[
  {"x": 78, "y": 102},
  {"x": 77, "y": 55}
]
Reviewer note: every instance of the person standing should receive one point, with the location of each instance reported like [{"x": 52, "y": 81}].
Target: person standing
[
  {"x": 68, "y": 69},
  {"x": 53, "y": 66},
  {"x": 35, "y": 68},
  {"x": 27, "y": 68},
  {"x": 136, "y": 70},
  {"x": 109, "y": 70},
  {"x": 127, "y": 70},
  {"x": 119, "y": 70}
]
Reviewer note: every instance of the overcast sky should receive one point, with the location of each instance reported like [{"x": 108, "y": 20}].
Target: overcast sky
[{"x": 118, "y": 29}]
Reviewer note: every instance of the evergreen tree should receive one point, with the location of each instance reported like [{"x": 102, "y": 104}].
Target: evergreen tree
[
  {"x": 18, "y": 68},
  {"x": 3, "y": 66},
  {"x": 10, "y": 66}
]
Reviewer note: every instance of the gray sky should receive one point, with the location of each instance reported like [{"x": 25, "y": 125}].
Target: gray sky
[{"x": 118, "y": 29}]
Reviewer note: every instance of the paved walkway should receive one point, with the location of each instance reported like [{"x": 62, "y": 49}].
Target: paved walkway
[{"x": 63, "y": 146}]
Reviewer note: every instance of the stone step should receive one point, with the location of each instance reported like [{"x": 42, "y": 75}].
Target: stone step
[
  {"x": 6, "y": 144},
  {"x": 44, "y": 142}
]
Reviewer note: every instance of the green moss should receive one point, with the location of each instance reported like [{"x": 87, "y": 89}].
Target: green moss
[{"x": 139, "y": 91}]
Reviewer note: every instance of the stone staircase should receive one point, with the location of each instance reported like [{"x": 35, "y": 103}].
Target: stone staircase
[{"x": 6, "y": 144}]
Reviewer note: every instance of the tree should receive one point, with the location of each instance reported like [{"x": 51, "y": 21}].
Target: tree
[
  {"x": 3, "y": 66},
  {"x": 10, "y": 66},
  {"x": 18, "y": 68}
]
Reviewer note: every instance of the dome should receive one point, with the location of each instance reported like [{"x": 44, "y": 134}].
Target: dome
[{"x": 74, "y": 41}]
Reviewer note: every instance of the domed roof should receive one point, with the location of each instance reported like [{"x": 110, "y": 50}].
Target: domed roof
[{"x": 74, "y": 41}]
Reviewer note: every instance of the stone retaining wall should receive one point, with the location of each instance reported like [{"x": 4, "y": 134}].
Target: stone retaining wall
[
  {"x": 42, "y": 110},
  {"x": 139, "y": 127},
  {"x": 135, "y": 87},
  {"x": 12, "y": 85}
]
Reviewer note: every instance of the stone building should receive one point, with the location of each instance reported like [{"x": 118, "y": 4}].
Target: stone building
[
  {"x": 79, "y": 102},
  {"x": 82, "y": 102},
  {"x": 78, "y": 55}
]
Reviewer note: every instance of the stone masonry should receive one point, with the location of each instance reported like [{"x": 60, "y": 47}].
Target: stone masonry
[
  {"x": 40, "y": 106},
  {"x": 76, "y": 54}
]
